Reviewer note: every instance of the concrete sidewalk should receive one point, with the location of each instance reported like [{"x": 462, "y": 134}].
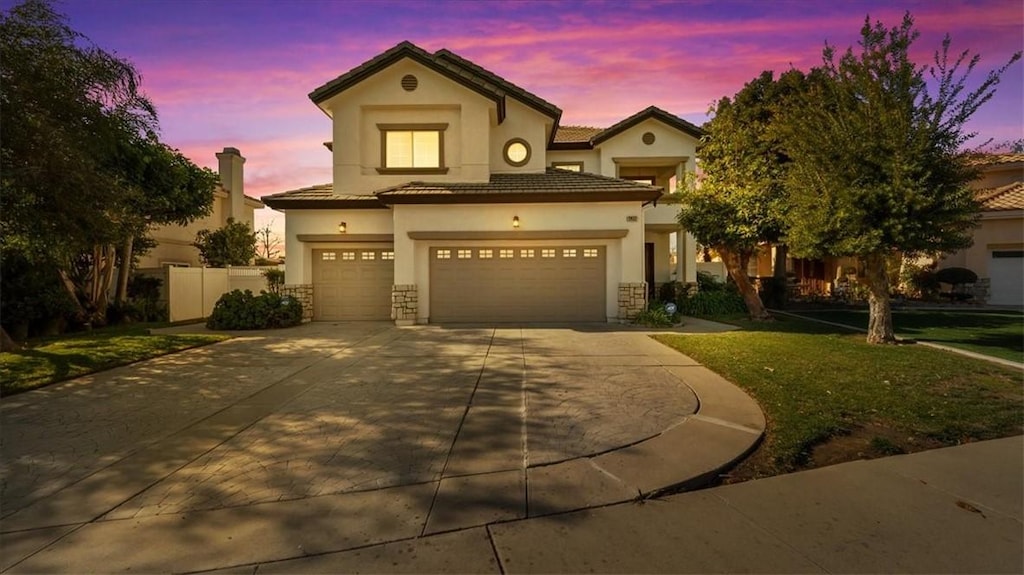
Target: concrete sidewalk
[{"x": 954, "y": 510}]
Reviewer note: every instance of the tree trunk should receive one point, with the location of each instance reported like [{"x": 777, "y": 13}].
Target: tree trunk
[
  {"x": 124, "y": 272},
  {"x": 69, "y": 286},
  {"x": 738, "y": 272},
  {"x": 6, "y": 342},
  {"x": 880, "y": 329}
]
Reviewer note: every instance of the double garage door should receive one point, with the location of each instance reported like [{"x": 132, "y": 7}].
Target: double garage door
[
  {"x": 517, "y": 284},
  {"x": 353, "y": 284}
]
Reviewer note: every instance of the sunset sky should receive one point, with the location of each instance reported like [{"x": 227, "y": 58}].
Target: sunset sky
[{"x": 237, "y": 72}]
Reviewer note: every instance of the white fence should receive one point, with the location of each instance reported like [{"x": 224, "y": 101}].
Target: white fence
[
  {"x": 190, "y": 293},
  {"x": 716, "y": 269}
]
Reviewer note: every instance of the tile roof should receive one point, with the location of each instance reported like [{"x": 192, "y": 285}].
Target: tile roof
[
  {"x": 982, "y": 160},
  {"x": 585, "y": 137},
  {"x": 1008, "y": 197},
  {"x": 576, "y": 134},
  {"x": 553, "y": 185},
  {"x": 446, "y": 63},
  {"x": 650, "y": 112},
  {"x": 321, "y": 196}
]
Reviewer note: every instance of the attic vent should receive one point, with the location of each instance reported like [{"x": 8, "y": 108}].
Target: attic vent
[
  {"x": 409, "y": 82},
  {"x": 648, "y": 137}
]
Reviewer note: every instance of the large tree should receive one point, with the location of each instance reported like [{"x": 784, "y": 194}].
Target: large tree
[
  {"x": 77, "y": 155},
  {"x": 876, "y": 162},
  {"x": 739, "y": 200}
]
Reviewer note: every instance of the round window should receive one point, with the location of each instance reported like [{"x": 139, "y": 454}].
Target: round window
[
  {"x": 648, "y": 138},
  {"x": 517, "y": 152}
]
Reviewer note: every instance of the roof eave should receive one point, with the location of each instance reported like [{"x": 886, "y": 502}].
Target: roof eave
[
  {"x": 520, "y": 197},
  {"x": 323, "y": 204}
]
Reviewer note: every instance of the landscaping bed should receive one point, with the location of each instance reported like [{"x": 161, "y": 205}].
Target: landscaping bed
[
  {"x": 50, "y": 360},
  {"x": 830, "y": 397}
]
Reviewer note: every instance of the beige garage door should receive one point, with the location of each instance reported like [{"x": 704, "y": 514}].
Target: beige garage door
[
  {"x": 353, "y": 283},
  {"x": 513, "y": 284}
]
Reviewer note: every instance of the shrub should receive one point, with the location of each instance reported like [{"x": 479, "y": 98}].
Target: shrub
[
  {"x": 669, "y": 290},
  {"x": 712, "y": 303},
  {"x": 956, "y": 276},
  {"x": 654, "y": 316},
  {"x": 243, "y": 310},
  {"x": 708, "y": 282},
  {"x": 275, "y": 279},
  {"x": 919, "y": 282}
]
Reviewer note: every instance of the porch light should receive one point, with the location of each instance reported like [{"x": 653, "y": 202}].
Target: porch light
[
  {"x": 515, "y": 222},
  {"x": 342, "y": 227}
]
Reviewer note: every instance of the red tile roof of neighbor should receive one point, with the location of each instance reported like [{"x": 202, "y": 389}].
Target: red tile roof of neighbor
[
  {"x": 1008, "y": 197},
  {"x": 566, "y": 134},
  {"x": 994, "y": 159}
]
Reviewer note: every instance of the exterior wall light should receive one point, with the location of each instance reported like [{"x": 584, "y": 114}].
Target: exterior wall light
[
  {"x": 342, "y": 227},
  {"x": 515, "y": 222}
]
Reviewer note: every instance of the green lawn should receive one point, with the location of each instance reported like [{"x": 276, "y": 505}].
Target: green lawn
[
  {"x": 831, "y": 397},
  {"x": 55, "y": 359},
  {"x": 995, "y": 333}
]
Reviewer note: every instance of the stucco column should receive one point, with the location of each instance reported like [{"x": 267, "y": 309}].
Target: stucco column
[
  {"x": 689, "y": 254},
  {"x": 680, "y": 173},
  {"x": 680, "y": 260}
]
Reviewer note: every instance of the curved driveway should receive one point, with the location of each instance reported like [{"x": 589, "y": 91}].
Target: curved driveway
[{"x": 335, "y": 436}]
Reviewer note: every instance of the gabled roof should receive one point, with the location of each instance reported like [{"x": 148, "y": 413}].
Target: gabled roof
[
  {"x": 650, "y": 112},
  {"x": 447, "y": 64},
  {"x": 585, "y": 137},
  {"x": 1008, "y": 197},
  {"x": 321, "y": 197},
  {"x": 553, "y": 185}
]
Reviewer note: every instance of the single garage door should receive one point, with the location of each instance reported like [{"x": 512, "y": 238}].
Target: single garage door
[
  {"x": 1006, "y": 273},
  {"x": 352, "y": 284},
  {"x": 517, "y": 284}
]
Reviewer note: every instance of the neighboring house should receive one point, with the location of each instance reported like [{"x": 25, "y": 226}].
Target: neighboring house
[
  {"x": 458, "y": 197},
  {"x": 997, "y": 255},
  {"x": 174, "y": 243}
]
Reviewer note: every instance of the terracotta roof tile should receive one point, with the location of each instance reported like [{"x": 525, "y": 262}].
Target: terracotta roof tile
[
  {"x": 1008, "y": 197},
  {"x": 576, "y": 134},
  {"x": 982, "y": 160}
]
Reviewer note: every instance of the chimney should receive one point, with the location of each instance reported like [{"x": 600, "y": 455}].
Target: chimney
[{"x": 230, "y": 163}]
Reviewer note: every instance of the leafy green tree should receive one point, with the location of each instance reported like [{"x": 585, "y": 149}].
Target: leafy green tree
[
  {"x": 232, "y": 245},
  {"x": 81, "y": 169},
  {"x": 876, "y": 163},
  {"x": 739, "y": 201}
]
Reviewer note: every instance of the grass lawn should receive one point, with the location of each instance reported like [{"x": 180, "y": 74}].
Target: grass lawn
[
  {"x": 995, "y": 333},
  {"x": 49, "y": 360},
  {"x": 830, "y": 397}
]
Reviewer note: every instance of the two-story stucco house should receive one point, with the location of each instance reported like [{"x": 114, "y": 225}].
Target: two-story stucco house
[
  {"x": 457, "y": 197},
  {"x": 174, "y": 243}
]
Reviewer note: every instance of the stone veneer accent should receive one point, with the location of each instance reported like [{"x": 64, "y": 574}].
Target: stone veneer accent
[
  {"x": 405, "y": 304},
  {"x": 632, "y": 300},
  {"x": 982, "y": 290},
  {"x": 303, "y": 293}
]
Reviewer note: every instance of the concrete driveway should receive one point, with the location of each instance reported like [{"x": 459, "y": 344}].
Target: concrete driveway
[{"x": 329, "y": 437}]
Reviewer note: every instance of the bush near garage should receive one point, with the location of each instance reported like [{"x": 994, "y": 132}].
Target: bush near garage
[{"x": 243, "y": 310}]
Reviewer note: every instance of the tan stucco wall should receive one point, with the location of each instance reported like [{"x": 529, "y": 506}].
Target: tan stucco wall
[
  {"x": 998, "y": 230},
  {"x": 381, "y": 99},
  {"x": 624, "y": 256},
  {"x": 520, "y": 122},
  {"x": 669, "y": 144},
  {"x": 299, "y": 268},
  {"x": 174, "y": 243},
  {"x": 591, "y": 158}
]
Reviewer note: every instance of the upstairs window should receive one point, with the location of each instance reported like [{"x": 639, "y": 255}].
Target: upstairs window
[{"x": 412, "y": 148}]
